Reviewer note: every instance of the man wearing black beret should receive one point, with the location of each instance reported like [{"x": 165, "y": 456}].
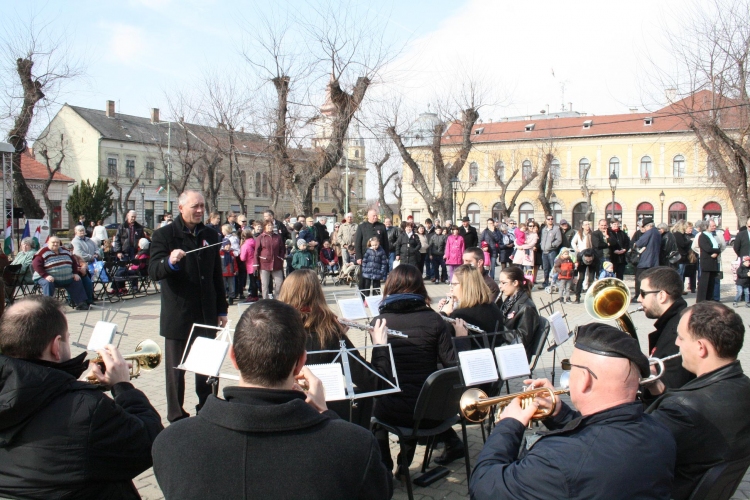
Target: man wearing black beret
[{"x": 607, "y": 449}]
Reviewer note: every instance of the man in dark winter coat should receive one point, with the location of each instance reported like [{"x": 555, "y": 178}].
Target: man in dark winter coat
[
  {"x": 668, "y": 245},
  {"x": 371, "y": 227},
  {"x": 649, "y": 246},
  {"x": 600, "y": 242},
  {"x": 468, "y": 233},
  {"x": 62, "y": 437},
  {"x": 607, "y": 449},
  {"x": 493, "y": 237},
  {"x": 708, "y": 415},
  {"x": 127, "y": 237},
  {"x": 393, "y": 233},
  {"x": 567, "y": 233},
  {"x": 267, "y": 438},
  {"x": 663, "y": 302},
  {"x": 619, "y": 244},
  {"x": 742, "y": 241},
  {"x": 192, "y": 291}
]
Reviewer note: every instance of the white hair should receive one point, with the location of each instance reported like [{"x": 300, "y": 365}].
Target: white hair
[
  {"x": 132, "y": 212},
  {"x": 79, "y": 228},
  {"x": 182, "y": 199}
]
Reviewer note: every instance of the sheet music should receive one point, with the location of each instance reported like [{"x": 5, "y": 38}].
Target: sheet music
[
  {"x": 103, "y": 334},
  {"x": 477, "y": 367},
  {"x": 352, "y": 308},
  {"x": 511, "y": 361},
  {"x": 206, "y": 356},
  {"x": 332, "y": 377},
  {"x": 559, "y": 328},
  {"x": 373, "y": 303}
]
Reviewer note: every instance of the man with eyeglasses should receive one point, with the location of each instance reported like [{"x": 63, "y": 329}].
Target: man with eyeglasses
[
  {"x": 661, "y": 299},
  {"x": 609, "y": 448},
  {"x": 742, "y": 241},
  {"x": 550, "y": 241}
]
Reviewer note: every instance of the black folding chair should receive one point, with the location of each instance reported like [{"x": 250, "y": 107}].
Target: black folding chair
[
  {"x": 540, "y": 340},
  {"x": 721, "y": 481},
  {"x": 437, "y": 402}
]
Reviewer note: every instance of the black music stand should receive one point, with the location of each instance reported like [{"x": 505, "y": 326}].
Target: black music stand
[{"x": 549, "y": 308}]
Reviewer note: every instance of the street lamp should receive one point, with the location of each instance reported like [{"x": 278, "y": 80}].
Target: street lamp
[
  {"x": 169, "y": 164},
  {"x": 613, "y": 187},
  {"x": 661, "y": 199},
  {"x": 143, "y": 202},
  {"x": 455, "y": 182}
]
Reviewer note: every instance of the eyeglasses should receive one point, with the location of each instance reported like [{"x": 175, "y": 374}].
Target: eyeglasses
[
  {"x": 566, "y": 364},
  {"x": 646, "y": 292},
  {"x": 452, "y": 284},
  {"x": 549, "y": 218}
]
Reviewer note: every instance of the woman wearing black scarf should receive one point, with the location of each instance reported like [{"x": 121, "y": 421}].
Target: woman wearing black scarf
[{"x": 518, "y": 310}]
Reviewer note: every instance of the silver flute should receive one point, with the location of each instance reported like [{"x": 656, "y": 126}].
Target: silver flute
[
  {"x": 368, "y": 328},
  {"x": 473, "y": 328},
  {"x": 447, "y": 299}
]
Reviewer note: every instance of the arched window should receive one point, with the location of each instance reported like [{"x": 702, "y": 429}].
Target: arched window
[
  {"x": 618, "y": 211},
  {"x": 497, "y": 212},
  {"x": 526, "y": 170},
  {"x": 584, "y": 168},
  {"x": 265, "y": 186},
  {"x": 356, "y": 153},
  {"x": 711, "y": 170},
  {"x": 257, "y": 184},
  {"x": 678, "y": 166},
  {"x": 645, "y": 209},
  {"x": 646, "y": 171},
  {"x": 525, "y": 212},
  {"x": 500, "y": 170},
  {"x": 556, "y": 211},
  {"x": 712, "y": 210},
  {"x": 473, "y": 173},
  {"x": 579, "y": 214},
  {"x": 472, "y": 212},
  {"x": 677, "y": 211},
  {"x": 614, "y": 166},
  {"x": 555, "y": 169}
]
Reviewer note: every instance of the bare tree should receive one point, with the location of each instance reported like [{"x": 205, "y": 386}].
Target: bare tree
[
  {"x": 386, "y": 171},
  {"x": 587, "y": 193},
  {"x": 501, "y": 162},
  {"x": 54, "y": 154},
  {"x": 179, "y": 149},
  {"x": 397, "y": 193},
  {"x": 121, "y": 186},
  {"x": 549, "y": 172},
  {"x": 38, "y": 62},
  {"x": 210, "y": 177}
]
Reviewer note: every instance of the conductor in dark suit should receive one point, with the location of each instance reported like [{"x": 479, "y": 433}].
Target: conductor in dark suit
[{"x": 192, "y": 292}]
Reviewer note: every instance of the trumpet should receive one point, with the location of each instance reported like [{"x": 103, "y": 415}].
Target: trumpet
[
  {"x": 473, "y": 328},
  {"x": 147, "y": 356},
  {"x": 609, "y": 299},
  {"x": 368, "y": 328},
  {"x": 475, "y": 405}
]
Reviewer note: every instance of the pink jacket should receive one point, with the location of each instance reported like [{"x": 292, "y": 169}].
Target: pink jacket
[
  {"x": 247, "y": 253},
  {"x": 454, "y": 250}
]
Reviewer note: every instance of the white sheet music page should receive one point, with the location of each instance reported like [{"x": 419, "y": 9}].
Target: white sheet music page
[
  {"x": 206, "y": 356},
  {"x": 477, "y": 367},
  {"x": 373, "y": 304},
  {"x": 332, "y": 377},
  {"x": 103, "y": 334},
  {"x": 559, "y": 328},
  {"x": 352, "y": 308},
  {"x": 511, "y": 361}
]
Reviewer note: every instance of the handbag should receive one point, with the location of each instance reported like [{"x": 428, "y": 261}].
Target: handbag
[
  {"x": 674, "y": 257},
  {"x": 692, "y": 258}
]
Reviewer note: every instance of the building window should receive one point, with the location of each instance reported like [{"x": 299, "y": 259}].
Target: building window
[
  {"x": 317, "y": 191},
  {"x": 149, "y": 170},
  {"x": 131, "y": 205},
  {"x": 264, "y": 185},
  {"x": 472, "y": 212},
  {"x": 555, "y": 169},
  {"x": 556, "y": 211},
  {"x": 579, "y": 214},
  {"x": 497, "y": 212},
  {"x": 112, "y": 167},
  {"x": 614, "y": 166},
  {"x": 257, "y": 184},
  {"x": 417, "y": 216},
  {"x": 584, "y": 168},
  {"x": 56, "y": 219},
  {"x": 148, "y": 212},
  {"x": 325, "y": 191},
  {"x": 500, "y": 170},
  {"x": 677, "y": 211},
  {"x": 712, "y": 210},
  {"x": 646, "y": 167},
  {"x": 618, "y": 211},
  {"x": 356, "y": 153},
  {"x": 678, "y": 166},
  {"x": 525, "y": 212},
  {"x": 473, "y": 173},
  {"x": 129, "y": 169},
  {"x": 361, "y": 190},
  {"x": 711, "y": 169},
  {"x": 645, "y": 209},
  {"x": 525, "y": 170}
]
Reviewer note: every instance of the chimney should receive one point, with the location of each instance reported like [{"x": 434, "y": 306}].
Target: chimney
[
  {"x": 154, "y": 115},
  {"x": 570, "y": 106},
  {"x": 671, "y": 94},
  {"x": 633, "y": 109},
  {"x": 110, "y": 109}
]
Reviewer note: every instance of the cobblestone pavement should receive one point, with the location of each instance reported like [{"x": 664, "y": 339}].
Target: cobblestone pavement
[{"x": 144, "y": 324}]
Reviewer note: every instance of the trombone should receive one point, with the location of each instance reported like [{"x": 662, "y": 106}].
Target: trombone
[
  {"x": 475, "y": 405},
  {"x": 147, "y": 356}
]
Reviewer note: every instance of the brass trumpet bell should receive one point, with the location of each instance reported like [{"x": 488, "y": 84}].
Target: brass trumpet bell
[
  {"x": 475, "y": 405},
  {"x": 609, "y": 299},
  {"x": 147, "y": 356}
]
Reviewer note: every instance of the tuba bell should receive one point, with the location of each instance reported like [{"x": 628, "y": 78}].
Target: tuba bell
[
  {"x": 147, "y": 356},
  {"x": 608, "y": 300}
]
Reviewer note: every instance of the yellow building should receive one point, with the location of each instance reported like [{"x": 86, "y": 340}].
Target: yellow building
[{"x": 650, "y": 153}]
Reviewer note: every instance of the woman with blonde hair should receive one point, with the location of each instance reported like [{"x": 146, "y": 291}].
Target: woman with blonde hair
[
  {"x": 302, "y": 290},
  {"x": 470, "y": 299}
]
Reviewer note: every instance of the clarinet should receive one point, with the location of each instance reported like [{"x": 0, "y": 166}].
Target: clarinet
[
  {"x": 473, "y": 328},
  {"x": 368, "y": 328}
]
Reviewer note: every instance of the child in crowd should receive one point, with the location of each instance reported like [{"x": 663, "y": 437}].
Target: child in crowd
[
  {"x": 328, "y": 257},
  {"x": 374, "y": 265},
  {"x": 454, "y": 251},
  {"x": 228, "y": 260},
  {"x": 743, "y": 282},
  {"x": 608, "y": 270},
  {"x": 303, "y": 258},
  {"x": 564, "y": 267},
  {"x": 486, "y": 252},
  {"x": 437, "y": 249},
  {"x": 247, "y": 254}
]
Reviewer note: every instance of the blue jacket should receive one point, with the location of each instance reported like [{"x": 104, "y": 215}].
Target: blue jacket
[
  {"x": 375, "y": 264},
  {"x": 616, "y": 453},
  {"x": 651, "y": 240}
]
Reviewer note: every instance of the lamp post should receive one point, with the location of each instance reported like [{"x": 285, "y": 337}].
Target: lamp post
[
  {"x": 661, "y": 199},
  {"x": 613, "y": 187},
  {"x": 169, "y": 165},
  {"x": 143, "y": 202},
  {"x": 454, "y": 184}
]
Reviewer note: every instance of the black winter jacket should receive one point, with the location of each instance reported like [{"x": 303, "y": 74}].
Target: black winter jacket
[
  {"x": 469, "y": 234},
  {"x": 437, "y": 244},
  {"x": 265, "y": 443},
  {"x": 668, "y": 245},
  {"x": 416, "y": 357},
  {"x": 365, "y": 231},
  {"x": 522, "y": 317},
  {"x": 600, "y": 244},
  {"x": 122, "y": 242},
  {"x": 618, "y": 453},
  {"x": 708, "y": 418},
  {"x": 61, "y": 438},
  {"x": 407, "y": 248},
  {"x": 618, "y": 240},
  {"x": 708, "y": 263},
  {"x": 743, "y": 276}
]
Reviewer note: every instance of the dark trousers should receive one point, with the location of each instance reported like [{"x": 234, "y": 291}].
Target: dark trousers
[
  {"x": 420, "y": 262},
  {"x": 239, "y": 289},
  {"x": 582, "y": 276},
  {"x": 366, "y": 288},
  {"x": 173, "y": 350},
  {"x": 638, "y": 272},
  {"x": 428, "y": 266},
  {"x": 440, "y": 272},
  {"x": 690, "y": 275},
  {"x": 620, "y": 269},
  {"x": 706, "y": 285},
  {"x": 548, "y": 263}
]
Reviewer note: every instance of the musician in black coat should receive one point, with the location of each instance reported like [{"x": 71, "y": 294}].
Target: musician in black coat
[
  {"x": 708, "y": 415},
  {"x": 518, "y": 310},
  {"x": 192, "y": 291}
]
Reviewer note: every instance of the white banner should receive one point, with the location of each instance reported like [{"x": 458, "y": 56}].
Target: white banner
[{"x": 43, "y": 226}]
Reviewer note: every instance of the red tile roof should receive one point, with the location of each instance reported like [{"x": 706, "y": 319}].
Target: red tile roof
[{"x": 32, "y": 169}]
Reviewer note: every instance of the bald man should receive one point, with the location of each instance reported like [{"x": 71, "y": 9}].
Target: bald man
[{"x": 608, "y": 448}]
